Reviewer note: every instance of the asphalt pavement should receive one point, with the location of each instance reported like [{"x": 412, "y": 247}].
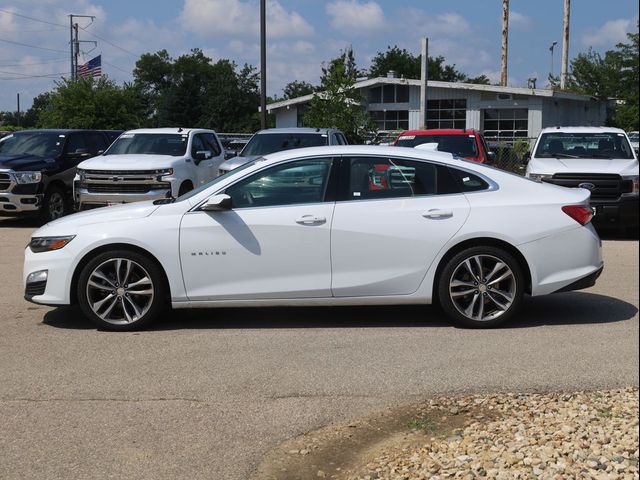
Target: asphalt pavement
[{"x": 205, "y": 394}]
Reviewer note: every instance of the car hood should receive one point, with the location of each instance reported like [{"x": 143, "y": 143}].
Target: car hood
[
  {"x": 26, "y": 162},
  {"x": 551, "y": 166},
  {"x": 130, "y": 162},
  {"x": 69, "y": 225},
  {"x": 235, "y": 162}
]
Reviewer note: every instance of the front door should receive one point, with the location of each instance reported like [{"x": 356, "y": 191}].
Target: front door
[
  {"x": 396, "y": 216},
  {"x": 273, "y": 243}
]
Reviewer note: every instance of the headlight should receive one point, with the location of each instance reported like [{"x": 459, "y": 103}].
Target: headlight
[
  {"x": 28, "y": 177},
  {"x": 538, "y": 177},
  {"x": 46, "y": 244},
  {"x": 164, "y": 173},
  {"x": 81, "y": 174},
  {"x": 631, "y": 184}
]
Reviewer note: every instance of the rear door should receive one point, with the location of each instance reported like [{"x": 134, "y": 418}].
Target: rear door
[{"x": 394, "y": 216}]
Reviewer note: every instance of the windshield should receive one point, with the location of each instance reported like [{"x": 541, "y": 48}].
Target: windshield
[
  {"x": 40, "y": 144},
  {"x": 461, "y": 145},
  {"x": 150, "y": 144},
  {"x": 584, "y": 145},
  {"x": 266, "y": 143}
]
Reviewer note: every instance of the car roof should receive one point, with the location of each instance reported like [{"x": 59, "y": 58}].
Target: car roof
[
  {"x": 439, "y": 131},
  {"x": 582, "y": 130},
  {"x": 166, "y": 130},
  {"x": 59, "y": 131},
  {"x": 294, "y": 130}
]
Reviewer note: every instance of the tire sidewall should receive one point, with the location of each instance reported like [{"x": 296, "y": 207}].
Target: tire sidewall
[
  {"x": 444, "y": 297},
  {"x": 157, "y": 278},
  {"x": 46, "y": 204}
]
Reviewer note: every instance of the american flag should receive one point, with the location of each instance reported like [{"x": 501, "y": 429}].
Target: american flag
[{"x": 93, "y": 68}]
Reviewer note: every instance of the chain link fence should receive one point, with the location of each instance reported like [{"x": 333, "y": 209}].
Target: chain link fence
[{"x": 511, "y": 154}]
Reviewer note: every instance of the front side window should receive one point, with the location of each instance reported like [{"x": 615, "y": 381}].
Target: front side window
[
  {"x": 197, "y": 145},
  {"x": 301, "y": 181},
  {"x": 584, "y": 145},
  {"x": 150, "y": 144},
  {"x": 211, "y": 144},
  {"x": 372, "y": 178}
]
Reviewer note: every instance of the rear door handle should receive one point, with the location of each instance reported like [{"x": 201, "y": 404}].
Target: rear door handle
[
  {"x": 437, "y": 213},
  {"x": 311, "y": 220}
]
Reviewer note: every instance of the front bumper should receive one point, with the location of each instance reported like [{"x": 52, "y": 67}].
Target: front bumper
[
  {"x": 59, "y": 265},
  {"x": 12, "y": 203},
  {"x": 622, "y": 213},
  {"x": 84, "y": 199}
]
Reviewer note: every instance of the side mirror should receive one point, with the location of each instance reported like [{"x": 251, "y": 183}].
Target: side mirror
[
  {"x": 79, "y": 153},
  {"x": 526, "y": 157},
  {"x": 491, "y": 156},
  {"x": 217, "y": 203},
  {"x": 202, "y": 155},
  {"x": 230, "y": 154}
]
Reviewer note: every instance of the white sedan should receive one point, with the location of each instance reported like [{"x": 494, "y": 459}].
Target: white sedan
[{"x": 343, "y": 225}]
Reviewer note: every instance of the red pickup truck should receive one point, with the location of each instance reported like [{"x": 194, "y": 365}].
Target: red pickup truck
[{"x": 468, "y": 144}]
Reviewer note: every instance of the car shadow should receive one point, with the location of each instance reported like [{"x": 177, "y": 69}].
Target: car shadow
[
  {"x": 21, "y": 222},
  {"x": 561, "y": 309},
  {"x": 616, "y": 234}
]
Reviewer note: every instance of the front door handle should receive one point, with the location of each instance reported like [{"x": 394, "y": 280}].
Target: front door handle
[
  {"x": 437, "y": 213},
  {"x": 311, "y": 220}
]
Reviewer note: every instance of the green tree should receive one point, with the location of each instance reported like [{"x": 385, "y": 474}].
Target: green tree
[
  {"x": 613, "y": 75},
  {"x": 404, "y": 63},
  {"x": 94, "y": 103},
  {"x": 297, "y": 89},
  {"x": 338, "y": 104}
]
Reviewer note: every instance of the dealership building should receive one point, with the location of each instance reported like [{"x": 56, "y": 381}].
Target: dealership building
[{"x": 498, "y": 112}]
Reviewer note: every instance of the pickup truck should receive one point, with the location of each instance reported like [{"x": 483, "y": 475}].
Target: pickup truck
[
  {"x": 37, "y": 168},
  {"x": 148, "y": 164},
  {"x": 599, "y": 159}
]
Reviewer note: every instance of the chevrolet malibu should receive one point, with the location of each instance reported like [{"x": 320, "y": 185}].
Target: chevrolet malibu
[{"x": 343, "y": 225}]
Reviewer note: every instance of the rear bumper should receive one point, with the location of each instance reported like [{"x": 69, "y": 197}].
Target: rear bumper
[
  {"x": 623, "y": 213},
  {"x": 585, "y": 282}
]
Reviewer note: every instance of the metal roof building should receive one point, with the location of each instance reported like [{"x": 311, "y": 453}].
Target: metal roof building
[{"x": 498, "y": 112}]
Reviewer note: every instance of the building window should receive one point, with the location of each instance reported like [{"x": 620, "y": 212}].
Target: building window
[
  {"x": 389, "y": 94},
  {"x": 391, "y": 119},
  {"x": 447, "y": 113},
  {"x": 506, "y": 122},
  {"x": 300, "y": 115}
]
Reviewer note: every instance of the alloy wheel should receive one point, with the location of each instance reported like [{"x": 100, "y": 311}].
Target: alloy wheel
[
  {"x": 56, "y": 206},
  {"x": 120, "y": 291},
  {"x": 482, "y": 287}
]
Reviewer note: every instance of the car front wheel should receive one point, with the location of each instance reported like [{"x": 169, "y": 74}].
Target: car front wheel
[
  {"x": 121, "y": 290},
  {"x": 481, "y": 287}
]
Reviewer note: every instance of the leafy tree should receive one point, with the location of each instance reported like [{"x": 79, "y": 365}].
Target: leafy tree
[
  {"x": 93, "y": 103},
  {"x": 406, "y": 64},
  {"x": 614, "y": 75},
  {"x": 191, "y": 90},
  {"x": 338, "y": 104},
  {"x": 297, "y": 89}
]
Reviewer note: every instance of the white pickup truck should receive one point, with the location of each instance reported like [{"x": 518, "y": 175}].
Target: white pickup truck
[{"x": 148, "y": 164}]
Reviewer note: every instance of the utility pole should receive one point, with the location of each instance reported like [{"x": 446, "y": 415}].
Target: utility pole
[
  {"x": 263, "y": 65},
  {"x": 74, "y": 43},
  {"x": 505, "y": 41},
  {"x": 565, "y": 45},
  {"x": 424, "y": 79},
  {"x": 18, "y": 112}
]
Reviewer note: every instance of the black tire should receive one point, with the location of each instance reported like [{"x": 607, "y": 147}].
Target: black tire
[
  {"x": 489, "y": 294},
  {"x": 149, "y": 307},
  {"x": 184, "y": 188},
  {"x": 55, "y": 204}
]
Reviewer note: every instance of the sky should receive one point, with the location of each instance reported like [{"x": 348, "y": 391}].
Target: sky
[{"x": 301, "y": 34}]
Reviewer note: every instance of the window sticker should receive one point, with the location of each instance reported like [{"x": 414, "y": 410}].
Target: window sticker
[
  {"x": 407, "y": 137},
  {"x": 61, "y": 136},
  {"x": 356, "y": 194},
  {"x": 126, "y": 135}
]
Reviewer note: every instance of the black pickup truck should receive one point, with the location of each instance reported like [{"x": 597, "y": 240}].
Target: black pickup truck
[{"x": 37, "y": 168}]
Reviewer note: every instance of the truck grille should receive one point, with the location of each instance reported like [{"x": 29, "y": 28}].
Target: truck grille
[
  {"x": 607, "y": 187},
  {"x": 123, "y": 188},
  {"x": 123, "y": 181},
  {"x": 5, "y": 182}
]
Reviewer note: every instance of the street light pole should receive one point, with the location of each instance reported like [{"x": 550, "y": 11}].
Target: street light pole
[
  {"x": 553, "y": 45},
  {"x": 263, "y": 66}
]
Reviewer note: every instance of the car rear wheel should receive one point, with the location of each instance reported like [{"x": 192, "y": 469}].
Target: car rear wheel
[
  {"x": 481, "y": 287},
  {"x": 121, "y": 290}
]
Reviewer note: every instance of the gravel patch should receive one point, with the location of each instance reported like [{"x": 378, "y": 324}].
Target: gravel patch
[{"x": 586, "y": 435}]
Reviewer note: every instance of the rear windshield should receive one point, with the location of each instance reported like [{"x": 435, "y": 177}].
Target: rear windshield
[
  {"x": 584, "y": 145},
  {"x": 150, "y": 144},
  {"x": 460, "y": 145},
  {"x": 266, "y": 143}
]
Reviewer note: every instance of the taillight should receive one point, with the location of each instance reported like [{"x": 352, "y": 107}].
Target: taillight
[{"x": 579, "y": 213}]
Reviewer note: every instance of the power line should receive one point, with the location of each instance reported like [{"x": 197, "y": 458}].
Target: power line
[
  {"x": 32, "y": 46},
  {"x": 46, "y": 62},
  {"x": 29, "y": 77},
  {"x": 31, "y": 18},
  {"x": 116, "y": 67},
  {"x": 108, "y": 41}
]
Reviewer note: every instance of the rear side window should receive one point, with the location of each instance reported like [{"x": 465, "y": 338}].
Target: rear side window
[
  {"x": 468, "y": 182},
  {"x": 371, "y": 178}
]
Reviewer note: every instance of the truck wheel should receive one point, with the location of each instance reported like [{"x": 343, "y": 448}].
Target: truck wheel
[
  {"x": 55, "y": 204},
  {"x": 184, "y": 188}
]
